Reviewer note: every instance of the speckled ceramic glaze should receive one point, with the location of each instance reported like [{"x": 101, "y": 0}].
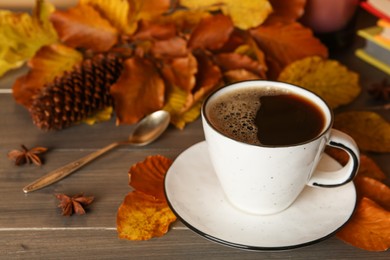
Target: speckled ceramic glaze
[
  {"x": 267, "y": 179},
  {"x": 195, "y": 195}
]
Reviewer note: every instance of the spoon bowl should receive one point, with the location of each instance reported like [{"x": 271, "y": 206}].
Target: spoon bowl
[
  {"x": 149, "y": 128},
  {"x": 146, "y": 131}
]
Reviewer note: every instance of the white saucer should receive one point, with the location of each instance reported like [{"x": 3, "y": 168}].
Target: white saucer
[{"x": 194, "y": 194}]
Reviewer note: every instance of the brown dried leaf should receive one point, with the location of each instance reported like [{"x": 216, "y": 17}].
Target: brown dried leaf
[
  {"x": 286, "y": 11},
  {"x": 184, "y": 106},
  {"x": 138, "y": 91},
  {"x": 142, "y": 217},
  {"x": 369, "y": 168},
  {"x": 149, "y": 30},
  {"x": 172, "y": 48},
  {"x": 237, "y": 61},
  {"x": 369, "y": 227},
  {"x": 374, "y": 190},
  {"x": 84, "y": 27},
  {"x": 205, "y": 35},
  {"x": 181, "y": 72},
  {"x": 49, "y": 62},
  {"x": 335, "y": 83},
  {"x": 148, "y": 176},
  {"x": 286, "y": 43},
  {"x": 370, "y": 131}
]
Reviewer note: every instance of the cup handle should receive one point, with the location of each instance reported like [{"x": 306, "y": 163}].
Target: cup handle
[{"x": 344, "y": 175}]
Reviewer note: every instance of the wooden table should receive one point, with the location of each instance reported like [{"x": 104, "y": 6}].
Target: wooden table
[{"x": 31, "y": 225}]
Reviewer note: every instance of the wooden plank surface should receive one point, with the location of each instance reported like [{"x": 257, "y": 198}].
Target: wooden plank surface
[{"x": 31, "y": 225}]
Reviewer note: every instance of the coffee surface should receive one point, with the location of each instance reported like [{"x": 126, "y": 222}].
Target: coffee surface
[{"x": 266, "y": 116}]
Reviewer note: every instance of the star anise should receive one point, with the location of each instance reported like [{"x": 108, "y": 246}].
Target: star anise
[
  {"x": 380, "y": 91},
  {"x": 27, "y": 155},
  {"x": 74, "y": 204}
]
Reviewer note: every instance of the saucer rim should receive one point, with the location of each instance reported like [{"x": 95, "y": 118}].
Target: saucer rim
[{"x": 250, "y": 247}]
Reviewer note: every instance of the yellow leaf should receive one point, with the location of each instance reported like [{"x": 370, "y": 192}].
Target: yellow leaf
[
  {"x": 327, "y": 78},
  {"x": 142, "y": 216},
  {"x": 144, "y": 212},
  {"x": 245, "y": 14},
  {"x": 116, "y": 11},
  {"x": 22, "y": 34},
  {"x": 103, "y": 115},
  {"x": 370, "y": 131},
  {"x": 180, "y": 104}
]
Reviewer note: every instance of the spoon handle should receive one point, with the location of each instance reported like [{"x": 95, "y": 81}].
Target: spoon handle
[{"x": 66, "y": 170}]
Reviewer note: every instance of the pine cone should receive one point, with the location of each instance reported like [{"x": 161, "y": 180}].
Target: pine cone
[{"x": 77, "y": 94}]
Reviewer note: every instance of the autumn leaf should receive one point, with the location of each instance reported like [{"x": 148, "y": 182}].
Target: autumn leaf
[
  {"x": 245, "y": 14},
  {"x": 144, "y": 212},
  {"x": 148, "y": 176},
  {"x": 286, "y": 43},
  {"x": 142, "y": 217},
  {"x": 204, "y": 36},
  {"x": 49, "y": 62},
  {"x": 374, "y": 190},
  {"x": 184, "y": 20},
  {"x": 125, "y": 15},
  {"x": 174, "y": 47},
  {"x": 22, "y": 34},
  {"x": 116, "y": 11},
  {"x": 236, "y": 61},
  {"x": 184, "y": 106},
  {"x": 369, "y": 227},
  {"x": 84, "y": 27},
  {"x": 138, "y": 91},
  {"x": 181, "y": 72},
  {"x": 370, "y": 131},
  {"x": 327, "y": 78},
  {"x": 286, "y": 11}
]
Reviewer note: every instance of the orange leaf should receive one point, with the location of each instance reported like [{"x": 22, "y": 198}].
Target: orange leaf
[
  {"x": 83, "y": 26},
  {"x": 148, "y": 176},
  {"x": 374, "y": 190},
  {"x": 286, "y": 11},
  {"x": 184, "y": 106},
  {"x": 209, "y": 75},
  {"x": 369, "y": 227},
  {"x": 181, "y": 71},
  {"x": 211, "y": 33},
  {"x": 171, "y": 48},
  {"x": 236, "y": 61},
  {"x": 138, "y": 91},
  {"x": 285, "y": 43},
  {"x": 49, "y": 62},
  {"x": 151, "y": 31},
  {"x": 369, "y": 168},
  {"x": 142, "y": 216}
]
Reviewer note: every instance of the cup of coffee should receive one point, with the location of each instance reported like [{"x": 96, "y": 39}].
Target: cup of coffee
[{"x": 265, "y": 140}]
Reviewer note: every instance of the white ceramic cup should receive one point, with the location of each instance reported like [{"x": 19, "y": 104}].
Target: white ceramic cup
[{"x": 267, "y": 179}]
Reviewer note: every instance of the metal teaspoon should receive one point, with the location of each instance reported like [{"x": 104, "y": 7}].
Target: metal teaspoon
[{"x": 145, "y": 132}]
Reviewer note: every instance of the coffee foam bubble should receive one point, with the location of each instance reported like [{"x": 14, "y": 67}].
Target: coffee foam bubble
[{"x": 234, "y": 113}]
